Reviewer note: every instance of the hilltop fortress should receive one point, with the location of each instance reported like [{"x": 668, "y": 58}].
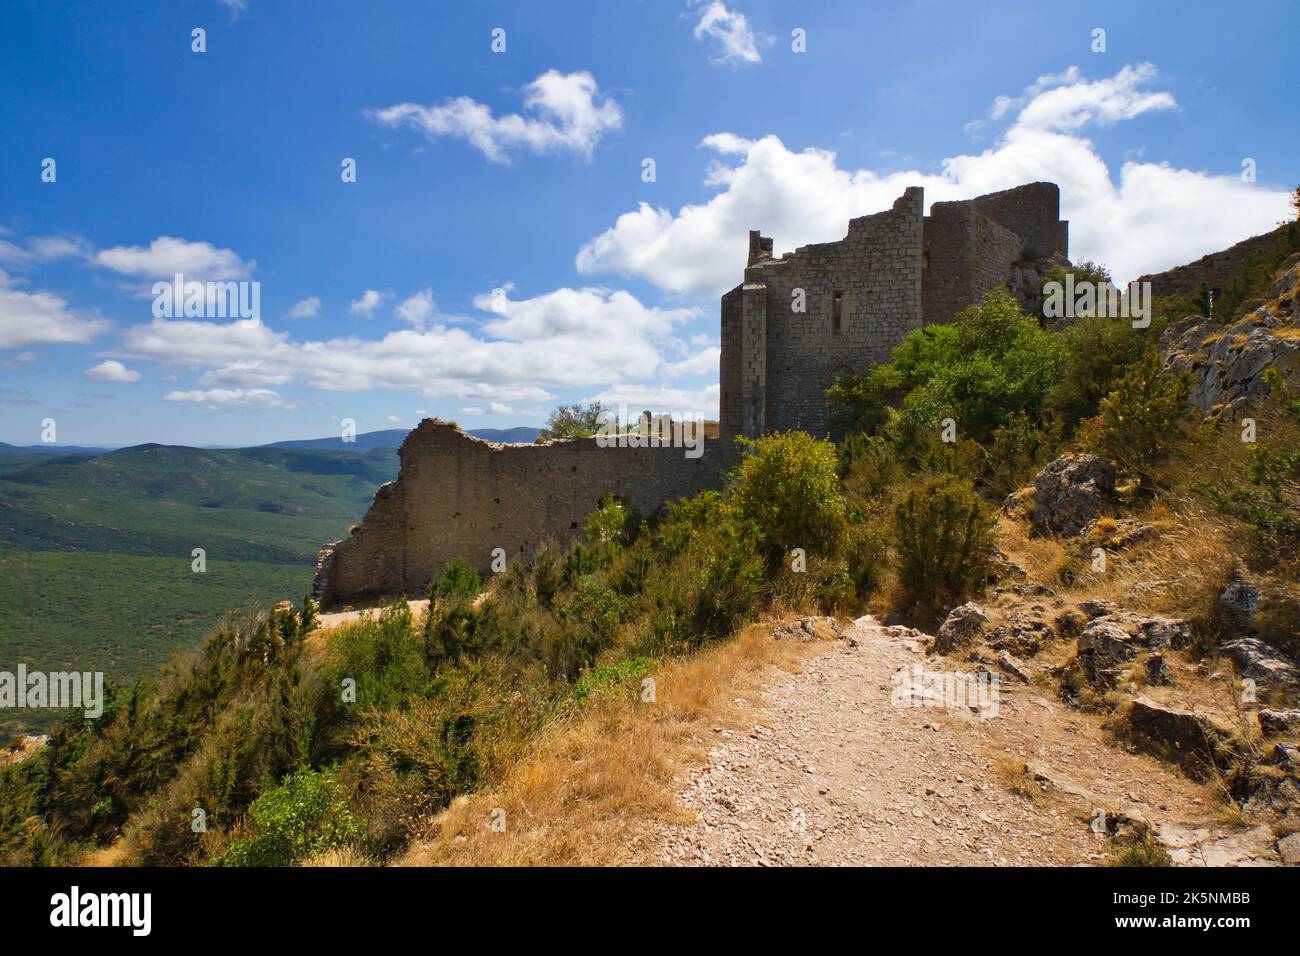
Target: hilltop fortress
[{"x": 788, "y": 330}]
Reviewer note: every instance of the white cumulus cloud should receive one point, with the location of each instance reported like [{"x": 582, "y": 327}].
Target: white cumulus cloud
[
  {"x": 566, "y": 338},
  {"x": 40, "y": 316},
  {"x": 166, "y": 256},
  {"x": 111, "y": 371},
  {"x": 563, "y": 112}
]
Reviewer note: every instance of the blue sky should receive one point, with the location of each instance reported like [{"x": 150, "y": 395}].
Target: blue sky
[{"x": 521, "y": 172}]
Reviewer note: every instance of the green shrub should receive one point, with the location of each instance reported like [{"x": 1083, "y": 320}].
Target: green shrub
[
  {"x": 682, "y": 526},
  {"x": 1142, "y": 418},
  {"x": 1260, "y": 484},
  {"x": 942, "y": 534},
  {"x": 1140, "y": 854},
  {"x": 413, "y": 762},
  {"x": 546, "y": 574},
  {"x": 1085, "y": 271},
  {"x": 788, "y": 487},
  {"x": 824, "y": 586},
  {"x": 574, "y": 421},
  {"x": 609, "y": 529},
  {"x": 310, "y": 618},
  {"x": 458, "y": 579},
  {"x": 305, "y": 814},
  {"x": 991, "y": 363},
  {"x": 606, "y": 677},
  {"x": 1017, "y": 450},
  {"x": 704, "y": 582},
  {"x": 1099, "y": 351},
  {"x": 383, "y": 655},
  {"x": 596, "y": 607},
  {"x": 450, "y": 632}
]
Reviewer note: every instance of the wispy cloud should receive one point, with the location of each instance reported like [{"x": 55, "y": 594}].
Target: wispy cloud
[
  {"x": 370, "y": 300},
  {"x": 41, "y": 249},
  {"x": 729, "y": 31},
  {"x": 307, "y": 308},
  {"x": 217, "y": 398}
]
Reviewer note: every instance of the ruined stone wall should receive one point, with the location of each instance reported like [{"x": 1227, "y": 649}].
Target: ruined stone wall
[
  {"x": 731, "y": 405},
  {"x": 949, "y": 233},
  {"x": 994, "y": 250},
  {"x": 459, "y": 497},
  {"x": 1215, "y": 270},
  {"x": 1033, "y": 212},
  {"x": 970, "y": 246},
  {"x": 875, "y": 268}
]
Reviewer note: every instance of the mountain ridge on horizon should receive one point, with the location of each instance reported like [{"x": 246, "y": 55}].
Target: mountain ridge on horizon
[{"x": 365, "y": 442}]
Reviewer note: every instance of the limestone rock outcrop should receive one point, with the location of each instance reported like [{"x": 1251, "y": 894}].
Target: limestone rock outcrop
[
  {"x": 1069, "y": 493},
  {"x": 1227, "y": 362},
  {"x": 962, "y": 626}
]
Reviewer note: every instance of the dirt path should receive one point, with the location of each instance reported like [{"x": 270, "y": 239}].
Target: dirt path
[
  {"x": 832, "y": 773},
  {"x": 335, "y": 618}
]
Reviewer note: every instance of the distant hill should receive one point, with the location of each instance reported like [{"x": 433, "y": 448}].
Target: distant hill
[
  {"x": 17, "y": 455},
  {"x": 96, "y": 550},
  {"x": 365, "y": 442},
  {"x": 522, "y": 435},
  {"x": 49, "y": 450},
  {"x": 21, "y": 457},
  {"x": 392, "y": 437}
]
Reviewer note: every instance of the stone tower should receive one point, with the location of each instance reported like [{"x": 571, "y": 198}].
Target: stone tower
[{"x": 797, "y": 323}]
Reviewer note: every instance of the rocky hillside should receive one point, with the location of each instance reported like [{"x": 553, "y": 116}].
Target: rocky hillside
[
  {"x": 1182, "y": 631},
  {"x": 1229, "y": 364}
]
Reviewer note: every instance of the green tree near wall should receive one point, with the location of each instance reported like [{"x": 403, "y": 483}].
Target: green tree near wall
[{"x": 574, "y": 421}]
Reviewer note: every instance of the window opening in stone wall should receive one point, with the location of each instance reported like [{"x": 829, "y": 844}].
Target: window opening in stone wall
[{"x": 837, "y": 311}]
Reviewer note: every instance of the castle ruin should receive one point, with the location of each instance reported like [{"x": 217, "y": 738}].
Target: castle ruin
[
  {"x": 797, "y": 323},
  {"x": 791, "y": 327}
]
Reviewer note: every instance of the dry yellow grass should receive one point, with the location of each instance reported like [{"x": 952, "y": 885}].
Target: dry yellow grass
[
  {"x": 338, "y": 856},
  {"x": 594, "y": 786},
  {"x": 1045, "y": 558},
  {"x": 1178, "y": 572},
  {"x": 1010, "y": 771}
]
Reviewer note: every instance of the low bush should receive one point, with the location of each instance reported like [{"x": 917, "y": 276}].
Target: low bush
[
  {"x": 943, "y": 540},
  {"x": 787, "y": 486},
  {"x": 1142, "y": 419},
  {"x": 304, "y": 815},
  {"x": 457, "y": 580}
]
